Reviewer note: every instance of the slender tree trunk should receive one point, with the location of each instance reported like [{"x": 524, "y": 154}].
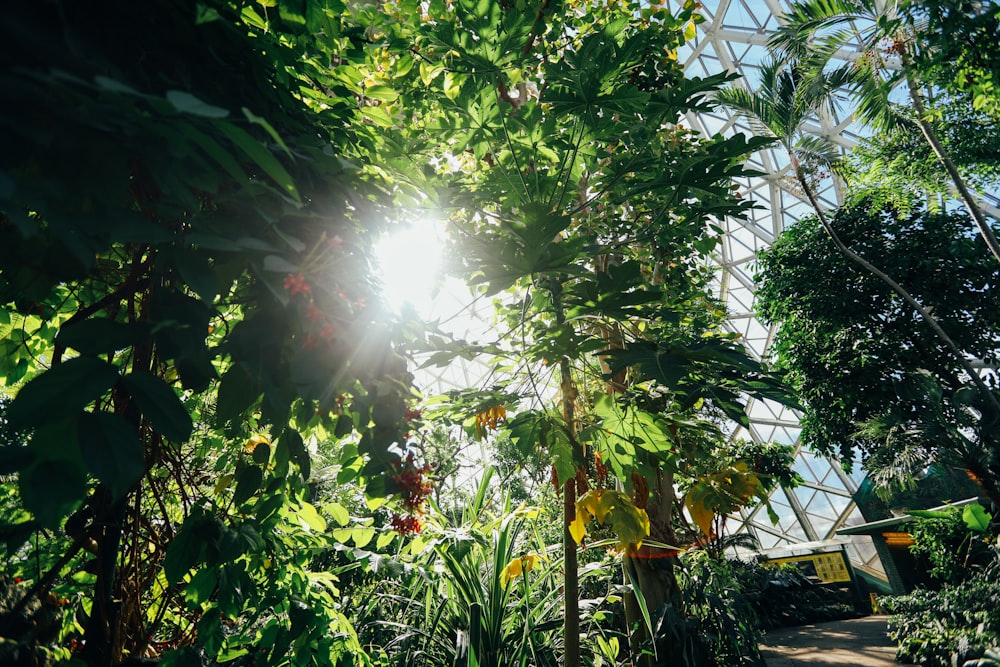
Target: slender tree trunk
[
  {"x": 899, "y": 290},
  {"x": 571, "y": 575},
  {"x": 571, "y": 581},
  {"x": 949, "y": 165}
]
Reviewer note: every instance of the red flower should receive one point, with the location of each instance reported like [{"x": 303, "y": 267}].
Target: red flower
[
  {"x": 296, "y": 284},
  {"x": 313, "y": 314},
  {"x": 405, "y": 525},
  {"x": 412, "y": 413},
  {"x": 328, "y": 331}
]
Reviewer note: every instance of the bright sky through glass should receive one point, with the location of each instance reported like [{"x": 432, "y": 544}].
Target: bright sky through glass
[{"x": 410, "y": 267}]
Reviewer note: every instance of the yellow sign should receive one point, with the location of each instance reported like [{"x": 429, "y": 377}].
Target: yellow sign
[{"x": 830, "y": 568}]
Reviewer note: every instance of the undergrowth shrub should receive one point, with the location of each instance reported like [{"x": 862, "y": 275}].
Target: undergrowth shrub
[
  {"x": 718, "y": 627},
  {"x": 947, "y": 627},
  {"x": 782, "y": 596}
]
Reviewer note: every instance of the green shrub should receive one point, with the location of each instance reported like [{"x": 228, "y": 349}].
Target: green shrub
[
  {"x": 954, "y": 541},
  {"x": 719, "y": 627},
  {"x": 947, "y": 627},
  {"x": 782, "y": 596}
]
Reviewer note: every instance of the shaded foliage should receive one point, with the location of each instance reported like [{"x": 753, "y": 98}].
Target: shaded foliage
[{"x": 873, "y": 379}]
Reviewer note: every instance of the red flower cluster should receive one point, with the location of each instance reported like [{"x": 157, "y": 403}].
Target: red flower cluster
[
  {"x": 602, "y": 470},
  {"x": 411, "y": 484},
  {"x": 296, "y": 284},
  {"x": 405, "y": 525},
  {"x": 413, "y": 488},
  {"x": 412, "y": 414}
]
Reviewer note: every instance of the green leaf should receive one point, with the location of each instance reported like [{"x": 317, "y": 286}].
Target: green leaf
[
  {"x": 338, "y": 512},
  {"x": 196, "y": 271},
  {"x": 111, "y": 450},
  {"x": 201, "y": 587},
  {"x": 262, "y": 122},
  {"x": 14, "y": 458},
  {"x": 362, "y": 536},
  {"x": 248, "y": 482},
  {"x": 52, "y": 489},
  {"x": 188, "y": 103},
  {"x": 297, "y": 451},
  {"x": 237, "y": 392},
  {"x": 308, "y": 515},
  {"x": 161, "y": 405},
  {"x": 384, "y": 93},
  {"x": 379, "y": 116},
  {"x": 264, "y": 159},
  {"x": 976, "y": 518},
  {"x": 63, "y": 390}
]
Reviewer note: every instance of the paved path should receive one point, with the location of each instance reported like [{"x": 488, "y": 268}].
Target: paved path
[{"x": 859, "y": 642}]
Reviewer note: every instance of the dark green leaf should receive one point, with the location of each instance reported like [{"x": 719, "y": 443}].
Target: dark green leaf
[
  {"x": 201, "y": 587},
  {"x": 257, "y": 152},
  {"x": 237, "y": 393},
  {"x": 160, "y": 404},
  {"x": 51, "y": 489},
  {"x": 188, "y": 103},
  {"x": 111, "y": 450},
  {"x": 248, "y": 483},
  {"x": 62, "y": 390},
  {"x": 297, "y": 450},
  {"x": 14, "y": 458},
  {"x": 196, "y": 271}
]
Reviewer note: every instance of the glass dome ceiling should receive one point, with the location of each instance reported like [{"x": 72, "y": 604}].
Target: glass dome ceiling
[{"x": 734, "y": 38}]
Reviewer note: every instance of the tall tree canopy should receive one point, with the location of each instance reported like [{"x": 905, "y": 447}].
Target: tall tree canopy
[{"x": 875, "y": 381}]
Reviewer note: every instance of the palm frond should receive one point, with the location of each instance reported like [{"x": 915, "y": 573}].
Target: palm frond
[
  {"x": 809, "y": 20},
  {"x": 814, "y": 149}
]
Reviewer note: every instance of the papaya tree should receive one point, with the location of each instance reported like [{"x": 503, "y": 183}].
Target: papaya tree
[{"x": 580, "y": 202}]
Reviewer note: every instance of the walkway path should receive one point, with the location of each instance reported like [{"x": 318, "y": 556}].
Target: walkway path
[{"x": 859, "y": 642}]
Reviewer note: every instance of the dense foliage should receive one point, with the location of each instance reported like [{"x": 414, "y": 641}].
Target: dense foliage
[
  {"x": 873, "y": 378},
  {"x": 200, "y": 362},
  {"x": 947, "y": 627}
]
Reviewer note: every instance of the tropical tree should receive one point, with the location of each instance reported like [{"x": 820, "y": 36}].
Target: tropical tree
[
  {"x": 781, "y": 106},
  {"x": 957, "y": 56},
  {"x": 199, "y": 315},
  {"x": 569, "y": 180},
  {"x": 815, "y": 30},
  {"x": 871, "y": 381}
]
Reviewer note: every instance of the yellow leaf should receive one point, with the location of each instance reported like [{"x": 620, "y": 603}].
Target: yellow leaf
[
  {"x": 615, "y": 510},
  {"x": 223, "y": 483},
  {"x": 578, "y": 527},
  {"x": 702, "y": 515},
  {"x": 689, "y": 30},
  {"x": 254, "y": 441}
]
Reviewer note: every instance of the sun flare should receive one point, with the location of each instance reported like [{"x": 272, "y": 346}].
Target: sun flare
[{"x": 409, "y": 265}]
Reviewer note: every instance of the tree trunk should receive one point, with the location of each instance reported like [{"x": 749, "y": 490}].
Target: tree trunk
[
  {"x": 651, "y": 570},
  {"x": 571, "y": 575},
  {"x": 949, "y": 165}
]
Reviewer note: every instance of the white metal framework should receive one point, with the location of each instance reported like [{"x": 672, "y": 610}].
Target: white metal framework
[{"x": 734, "y": 38}]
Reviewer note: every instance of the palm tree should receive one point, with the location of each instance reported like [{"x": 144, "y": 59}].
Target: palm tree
[
  {"x": 780, "y": 108},
  {"x": 815, "y": 30}
]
